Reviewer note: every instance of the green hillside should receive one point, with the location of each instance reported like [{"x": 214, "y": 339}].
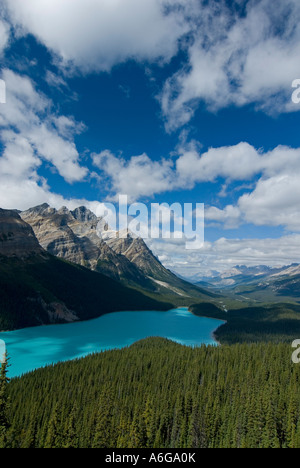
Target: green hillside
[{"x": 43, "y": 289}]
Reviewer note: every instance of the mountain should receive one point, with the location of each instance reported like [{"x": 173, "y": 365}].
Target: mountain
[
  {"x": 75, "y": 236},
  {"x": 280, "y": 284},
  {"x": 237, "y": 275},
  {"x": 72, "y": 235},
  {"x": 270, "y": 285},
  {"x": 138, "y": 253},
  {"x": 16, "y": 237},
  {"x": 38, "y": 288},
  {"x": 290, "y": 270}
]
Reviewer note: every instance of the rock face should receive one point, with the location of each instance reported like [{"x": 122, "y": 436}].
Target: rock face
[
  {"x": 137, "y": 252},
  {"x": 72, "y": 235},
  {"x": 75, "y": 236},
  {"x": 56, "y": 233},
  {"x": 17, "y": 238}
]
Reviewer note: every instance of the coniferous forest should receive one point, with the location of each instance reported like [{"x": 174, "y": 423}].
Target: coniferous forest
[{"x": 157, "y": 394}]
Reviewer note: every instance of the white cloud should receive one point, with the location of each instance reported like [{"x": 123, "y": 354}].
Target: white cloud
[
  {"x": 27, "y": 119},
  {"x": 274, "y": 202},
  {"x": 237, "y": 162},
  {"x": 18, "y": 159},
  {"x": 272, "y": 198},
  {"x": 142, "y": 177},
  {"x": 97, "y": 34},
  {"x": 23, "y": 194},
  {"x": 230, "y": 217},
  {"x": 138, "y": 177},
  {"x": 32, "y": 132},
  {"x": 234, "y": 60},
  {"x": 4, "y": 35}
]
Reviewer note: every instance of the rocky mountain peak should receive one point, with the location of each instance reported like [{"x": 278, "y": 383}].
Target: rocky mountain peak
[
  {"x": 16, "y": 237},
  {"x": 83, "y": 214},
  {"x": 39, "y": 210},
  {"x": 63, "y": 211}
]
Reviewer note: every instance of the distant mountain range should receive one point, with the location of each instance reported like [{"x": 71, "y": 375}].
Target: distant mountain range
[
  {"x": 257, "y": 284},
  {"x": 242, "y": 274}
]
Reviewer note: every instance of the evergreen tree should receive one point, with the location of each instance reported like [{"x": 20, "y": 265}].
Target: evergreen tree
[
  {"x": 4, "y": 404},
  {"x": 71, "y": 437},
  {"x": 104, "y": 436},
  {"x": 55, "y": 434}
]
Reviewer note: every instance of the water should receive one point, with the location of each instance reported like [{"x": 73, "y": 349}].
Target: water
[{"x": 31, "y": 348}]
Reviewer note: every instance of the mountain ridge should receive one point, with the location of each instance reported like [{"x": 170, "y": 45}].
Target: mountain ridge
[
  {"x": 74, "y": 236},
  {"x": 240, "y": 274}
]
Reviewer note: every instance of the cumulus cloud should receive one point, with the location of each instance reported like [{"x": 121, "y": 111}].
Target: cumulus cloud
[
  {"x": 28, "y": 121},
  {"x": 274, "y": 200},
  {"x": 271, "y": 199},
  {"x": 32, "y": 133},
  {"x": 237, "y": 162},
  {"x": 232, "y": 58},
  {"x": 238, "y": 60},
  {"x": 138, "y": 177},
  {"x": 96, "y": 35},
  {"x": 33, "y": 191},
  {"x": 230, "y": 216}
]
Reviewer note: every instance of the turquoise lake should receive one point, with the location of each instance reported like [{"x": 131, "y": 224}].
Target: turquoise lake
[{"x": 31, "y": 348}]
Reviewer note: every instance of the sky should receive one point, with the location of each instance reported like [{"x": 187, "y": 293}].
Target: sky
[{"x": 165, "y": 101}]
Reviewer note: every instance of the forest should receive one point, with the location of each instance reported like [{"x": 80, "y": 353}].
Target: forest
[
  {"x": 157, "y": 394},
  {"x": 276, "y": 323}
]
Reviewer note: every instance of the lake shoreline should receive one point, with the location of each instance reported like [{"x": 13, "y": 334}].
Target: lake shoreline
[
  {"x": 211, "y": 318},
  {"x": 36, "y": 347}
]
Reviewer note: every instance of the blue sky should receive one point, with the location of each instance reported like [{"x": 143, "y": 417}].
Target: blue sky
[{"x": 164, "y": 101}]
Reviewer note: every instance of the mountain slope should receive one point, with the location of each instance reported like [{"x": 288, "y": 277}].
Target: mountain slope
[
  {"x": 243, "y": 275},
  {"x": 38, "y": 288},
  {"x": 73, "y": 235},
  {"x": 16, "y": 237},
  {"x": 136, "y": 250},
  {"x": 45, "y": 290},
  {"x": 278, "y": 285},
  {"x": 237, "y": 275}
]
